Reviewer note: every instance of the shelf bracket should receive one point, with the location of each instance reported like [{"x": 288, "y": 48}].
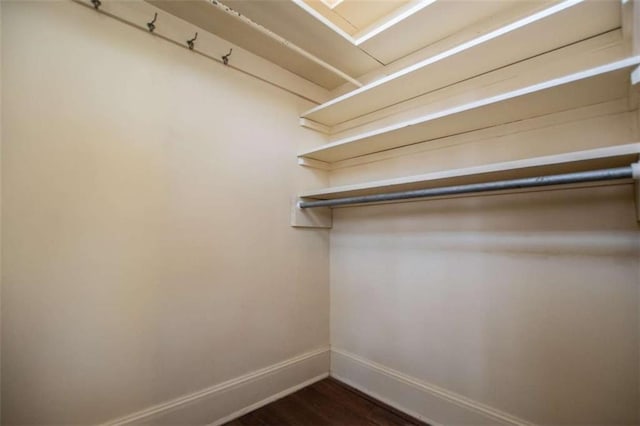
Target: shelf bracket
[
  {"x": 309, "y": 124},
  {"x": 314, "y": 164},
  {"x": 310, "y": 218},
  {"x": 630, "y": 20}
]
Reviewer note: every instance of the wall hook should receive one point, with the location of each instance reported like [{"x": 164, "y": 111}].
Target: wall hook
[
  {"x": 190, "y": 42},
  {"x": 152, "y": 25},
  {"x": 225, "y": 58},
  {"x": 96, "y": 4}
]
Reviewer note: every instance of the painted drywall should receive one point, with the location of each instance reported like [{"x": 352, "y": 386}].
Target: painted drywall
[
  {"x": 147, "y": 251},
  {"x": 524, "y": 303}
]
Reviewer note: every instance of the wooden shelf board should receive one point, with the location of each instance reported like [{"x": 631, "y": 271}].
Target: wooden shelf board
[
  {"x": 615, "y": 156},
  {"x": 558, "y": 25},
  {"x": 592, "y": 86}
]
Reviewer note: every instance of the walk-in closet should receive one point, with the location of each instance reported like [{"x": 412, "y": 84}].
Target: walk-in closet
[{"x": 320, "y": 212}]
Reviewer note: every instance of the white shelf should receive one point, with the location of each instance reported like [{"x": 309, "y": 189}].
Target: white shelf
[
  {"x": 615, "y": 156},
  {"x": 592, "y": 86},
  {"x": 561, "y": 24}
]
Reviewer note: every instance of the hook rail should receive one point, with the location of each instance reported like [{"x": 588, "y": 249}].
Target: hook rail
[{"x": 121, "y": 12}]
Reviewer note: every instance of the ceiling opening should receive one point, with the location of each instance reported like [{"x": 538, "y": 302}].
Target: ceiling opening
[{"x": 356, "y": 16}]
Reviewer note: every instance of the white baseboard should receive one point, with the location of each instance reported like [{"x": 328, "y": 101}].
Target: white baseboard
[
  {"x": 268, "y": 400},
  {"x": 417, "y": 398},
  {"x": 226, "y": 401}
]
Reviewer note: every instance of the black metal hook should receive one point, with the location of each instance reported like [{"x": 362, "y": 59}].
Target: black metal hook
[
  {"x": 151, "y": 25},
  {"x": 190, "y": 42},
  {"x": 96, "y": 4},
  {"x": 225, "y": 58}
]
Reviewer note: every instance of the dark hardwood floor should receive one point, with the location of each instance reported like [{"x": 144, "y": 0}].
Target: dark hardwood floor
[{"x": 327, "y": 402}]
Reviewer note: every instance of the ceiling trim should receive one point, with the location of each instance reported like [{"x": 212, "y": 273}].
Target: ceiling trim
[
  {"x": 331, "y": 4},
  {"x": 390, "y": 20},
  {"x": 373, "y": 30}
]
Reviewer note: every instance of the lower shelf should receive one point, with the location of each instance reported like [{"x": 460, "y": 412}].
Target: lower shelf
[{"x": 600, "y": 158}]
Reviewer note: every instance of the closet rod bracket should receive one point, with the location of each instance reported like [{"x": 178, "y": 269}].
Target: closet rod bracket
[
  {"x": 635, "y": 170},
  {"x": 321, "y": 218}
]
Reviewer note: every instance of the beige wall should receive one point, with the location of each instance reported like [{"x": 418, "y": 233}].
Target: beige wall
[
  {"x": 147, "y": 251},
  {"x": 527, "y": 303}
]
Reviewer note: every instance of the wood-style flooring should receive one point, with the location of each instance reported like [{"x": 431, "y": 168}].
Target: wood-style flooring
[{"x": 327, "y": 403}]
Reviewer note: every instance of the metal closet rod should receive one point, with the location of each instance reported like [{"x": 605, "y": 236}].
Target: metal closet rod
[{"x": 632, "y": 171}]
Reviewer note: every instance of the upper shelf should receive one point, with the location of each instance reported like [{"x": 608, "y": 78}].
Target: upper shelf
[
  {"x": 595, "y": 85},
  {"x": 559, "y": 25},
  {"x": 615, "y": 156}
]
